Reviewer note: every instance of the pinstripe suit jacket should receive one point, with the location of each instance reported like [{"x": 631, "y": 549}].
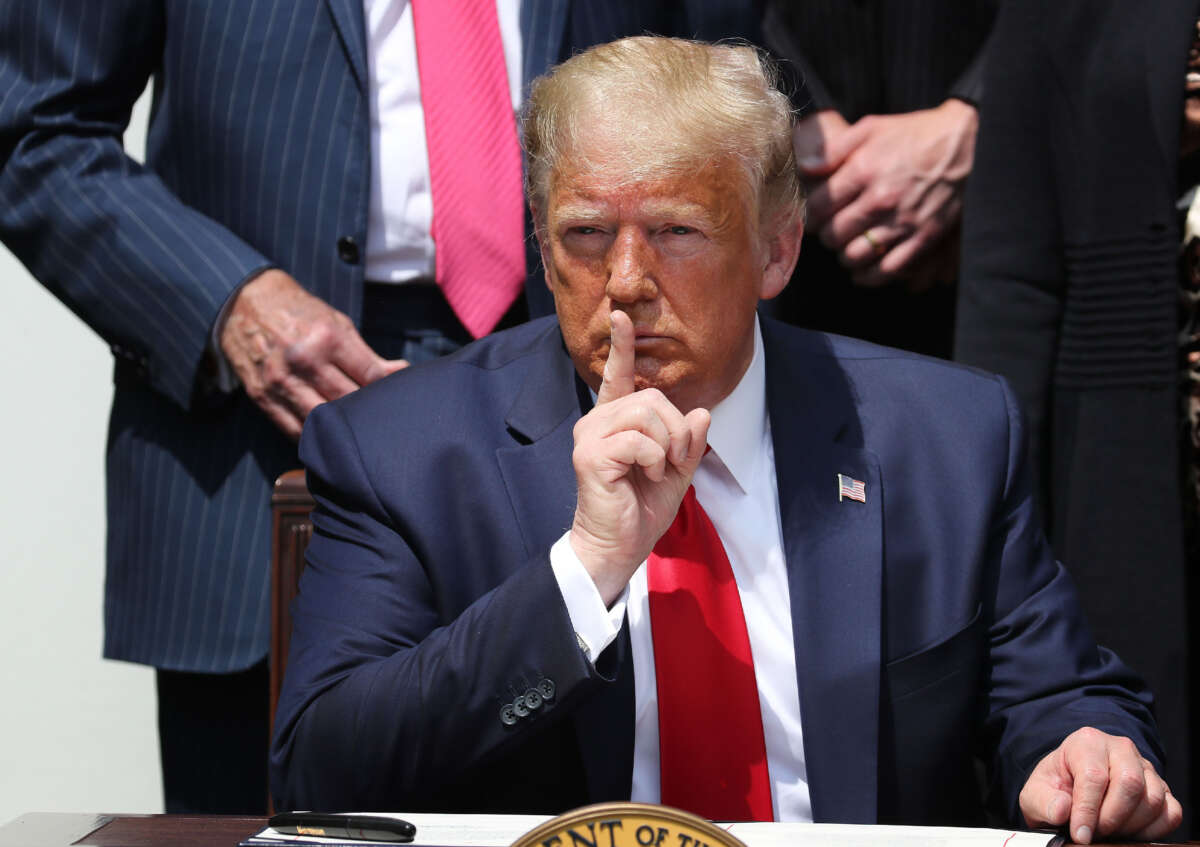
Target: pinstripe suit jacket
[{"x": 258, "y": 154}]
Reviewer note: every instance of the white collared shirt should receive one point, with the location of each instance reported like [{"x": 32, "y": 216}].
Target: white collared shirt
[
  {"x": 736, "y": 485},
  {"x": 399, "y": 246}
]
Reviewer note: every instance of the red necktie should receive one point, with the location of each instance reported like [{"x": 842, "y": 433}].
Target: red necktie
[
  {"x": 474, "y": 159},
  {"x": 713, "y": 758}
]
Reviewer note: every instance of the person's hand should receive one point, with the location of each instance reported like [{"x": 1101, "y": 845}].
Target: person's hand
[
  {"x": 888, "y": 188},
  {"x": 634, "y": 457},
  {"x": 292, "y": 351},
  {"x": 1100, "y": 784},
  {"x": 812, "y": 138}
]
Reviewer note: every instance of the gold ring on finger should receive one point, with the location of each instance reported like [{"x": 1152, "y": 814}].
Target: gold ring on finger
[{"x": 878, "y": 247}]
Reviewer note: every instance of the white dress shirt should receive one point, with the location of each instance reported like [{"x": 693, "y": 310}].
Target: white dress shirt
[
  {"x": 737, "y": 487},
  {"x": 399, "y": 246}
]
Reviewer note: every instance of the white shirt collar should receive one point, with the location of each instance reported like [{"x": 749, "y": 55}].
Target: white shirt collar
[{"x": 739, "y": 422}]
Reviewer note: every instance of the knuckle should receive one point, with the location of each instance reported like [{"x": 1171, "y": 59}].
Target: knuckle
[
  {"x": 1094, "y": 773},
  {"x": 257, "y": 393},
  {"x": 274, "y": 373},
  {"x": 1126, "y": 746},
  {"x": 883, "y": 196},
  {"x": 300, "y": 356},
  {"x": 1174, "y": 814},
  {"x": 1130, "y": 782}
]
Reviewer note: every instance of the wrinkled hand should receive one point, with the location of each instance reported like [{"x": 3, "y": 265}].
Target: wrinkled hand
[
  {"x": 292, "y": 351},
  {"x": 634, "y": 457},
  {"x": 900, "y": 177},
  {"x": 1103, "y": 786}
]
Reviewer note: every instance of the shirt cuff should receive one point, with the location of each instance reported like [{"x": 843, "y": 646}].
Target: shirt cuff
[{"x": 595, "y": 626}]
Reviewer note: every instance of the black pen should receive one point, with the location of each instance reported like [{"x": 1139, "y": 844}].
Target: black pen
[{"x": 352, "y": 827}]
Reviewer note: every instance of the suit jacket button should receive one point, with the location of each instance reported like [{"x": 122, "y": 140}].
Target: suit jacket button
[
  {"x": 347, "y": 250},
  {"x": 546, "y": 689},
  {"x": 533, "y": 700},
  {"x": 508, "y": 716},
  {"x": 519, "y": 707}
]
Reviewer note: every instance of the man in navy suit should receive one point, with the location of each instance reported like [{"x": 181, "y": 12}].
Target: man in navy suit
[
  {"x": 254, "y": 203},
  {"x": 477, "y": 626}
]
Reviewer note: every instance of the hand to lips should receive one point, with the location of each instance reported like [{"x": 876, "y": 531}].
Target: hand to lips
[{"x": 635, "y": 454}]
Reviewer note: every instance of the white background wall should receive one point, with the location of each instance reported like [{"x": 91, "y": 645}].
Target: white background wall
[{"x": 77, "y": 732}]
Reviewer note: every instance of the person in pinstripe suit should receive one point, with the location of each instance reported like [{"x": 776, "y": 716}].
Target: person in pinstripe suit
[{"x": 258, "y": 174}]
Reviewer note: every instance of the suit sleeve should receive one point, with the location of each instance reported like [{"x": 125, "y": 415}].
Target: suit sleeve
[
  {"x": 1046, "y": 675},
  {"x": 393, "y": 693},
  {"x": 100, "y": 231},
  {"x": 1011, "y": 288},
  {"x": 969, "y": 85},
  {"x": 805, "y": 88}
]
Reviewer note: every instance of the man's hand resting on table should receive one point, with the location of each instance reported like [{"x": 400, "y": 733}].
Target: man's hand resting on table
[
  {"x": 293, "y": 351},
  {"x": 1102, "y": 786},
  {"x": 635, "y": 455}
]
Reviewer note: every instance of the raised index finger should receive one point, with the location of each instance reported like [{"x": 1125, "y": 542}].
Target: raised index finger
[{"x": 618, "y": 370}]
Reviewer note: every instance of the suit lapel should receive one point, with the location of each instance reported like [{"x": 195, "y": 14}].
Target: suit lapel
[
  {"x": 834, "y": 552},
  {"x": 1168, "y": 33},
  {"x": 538, "y": 477},
  {"x": 352, "y": 31},
  {"x": 537, "y": 471}
]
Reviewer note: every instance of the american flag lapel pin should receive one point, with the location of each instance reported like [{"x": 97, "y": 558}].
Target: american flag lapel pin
[{"x": 851, "y": 489}]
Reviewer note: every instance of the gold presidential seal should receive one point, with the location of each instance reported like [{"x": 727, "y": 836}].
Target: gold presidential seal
[{"x": 627, "y": 825}]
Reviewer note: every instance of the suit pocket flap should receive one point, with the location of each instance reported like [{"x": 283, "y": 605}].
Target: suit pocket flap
[{"x": 933, "y": 664}]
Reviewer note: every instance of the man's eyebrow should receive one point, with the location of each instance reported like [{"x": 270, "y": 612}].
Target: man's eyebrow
[
  {"x": 677, "y": 209},
  {"x": 667, "y": 209},
  {"x": 578, "y": 212}
]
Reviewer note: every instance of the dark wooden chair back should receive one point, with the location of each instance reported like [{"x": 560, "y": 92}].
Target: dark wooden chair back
[{"x": 291, "y": 528}]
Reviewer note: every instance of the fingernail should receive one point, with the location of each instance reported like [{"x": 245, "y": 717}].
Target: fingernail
[
  {"x": 1083, "y": 835},
  {"x": 812, "y": 162}
]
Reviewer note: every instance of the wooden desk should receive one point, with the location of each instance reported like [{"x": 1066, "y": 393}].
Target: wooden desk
[
  {"x": 60, "y": 830},
  {"x": 54, "y": 829}
]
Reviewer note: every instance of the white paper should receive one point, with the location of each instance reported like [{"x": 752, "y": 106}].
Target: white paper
[{"x": 503, "y": 830}]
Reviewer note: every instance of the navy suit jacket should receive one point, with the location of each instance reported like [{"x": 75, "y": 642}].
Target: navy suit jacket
[
  {"x": 931, "y": 623},
  {"x": 258, "y": 154}
]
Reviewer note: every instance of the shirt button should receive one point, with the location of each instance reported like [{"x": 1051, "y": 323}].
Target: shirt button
[
  {"x": 519, "y": 707},
  {"x": 508, "y": 717},
  {"x": 533, "y": 700},
  {"x": 347, "y": 250},
  {"x": 546, "y": 689}
]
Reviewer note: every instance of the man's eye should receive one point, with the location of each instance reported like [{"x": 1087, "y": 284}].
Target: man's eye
[
  {"x": 584, "y": 230},
  {"x": 680, "y": 230}
]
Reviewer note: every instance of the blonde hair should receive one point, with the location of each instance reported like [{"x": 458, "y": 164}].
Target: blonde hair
[{"x": 665, "y": 106}]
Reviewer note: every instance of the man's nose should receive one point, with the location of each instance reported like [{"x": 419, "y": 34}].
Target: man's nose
[{"x": 630, "y": 268}]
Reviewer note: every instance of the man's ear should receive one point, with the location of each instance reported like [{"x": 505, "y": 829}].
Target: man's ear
[{"x": 781, "y": 252}]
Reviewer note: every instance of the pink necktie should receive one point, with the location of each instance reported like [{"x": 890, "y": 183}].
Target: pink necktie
[
  {"x": 713, "y": 758},
  {"x": 474, "y": 159}
]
